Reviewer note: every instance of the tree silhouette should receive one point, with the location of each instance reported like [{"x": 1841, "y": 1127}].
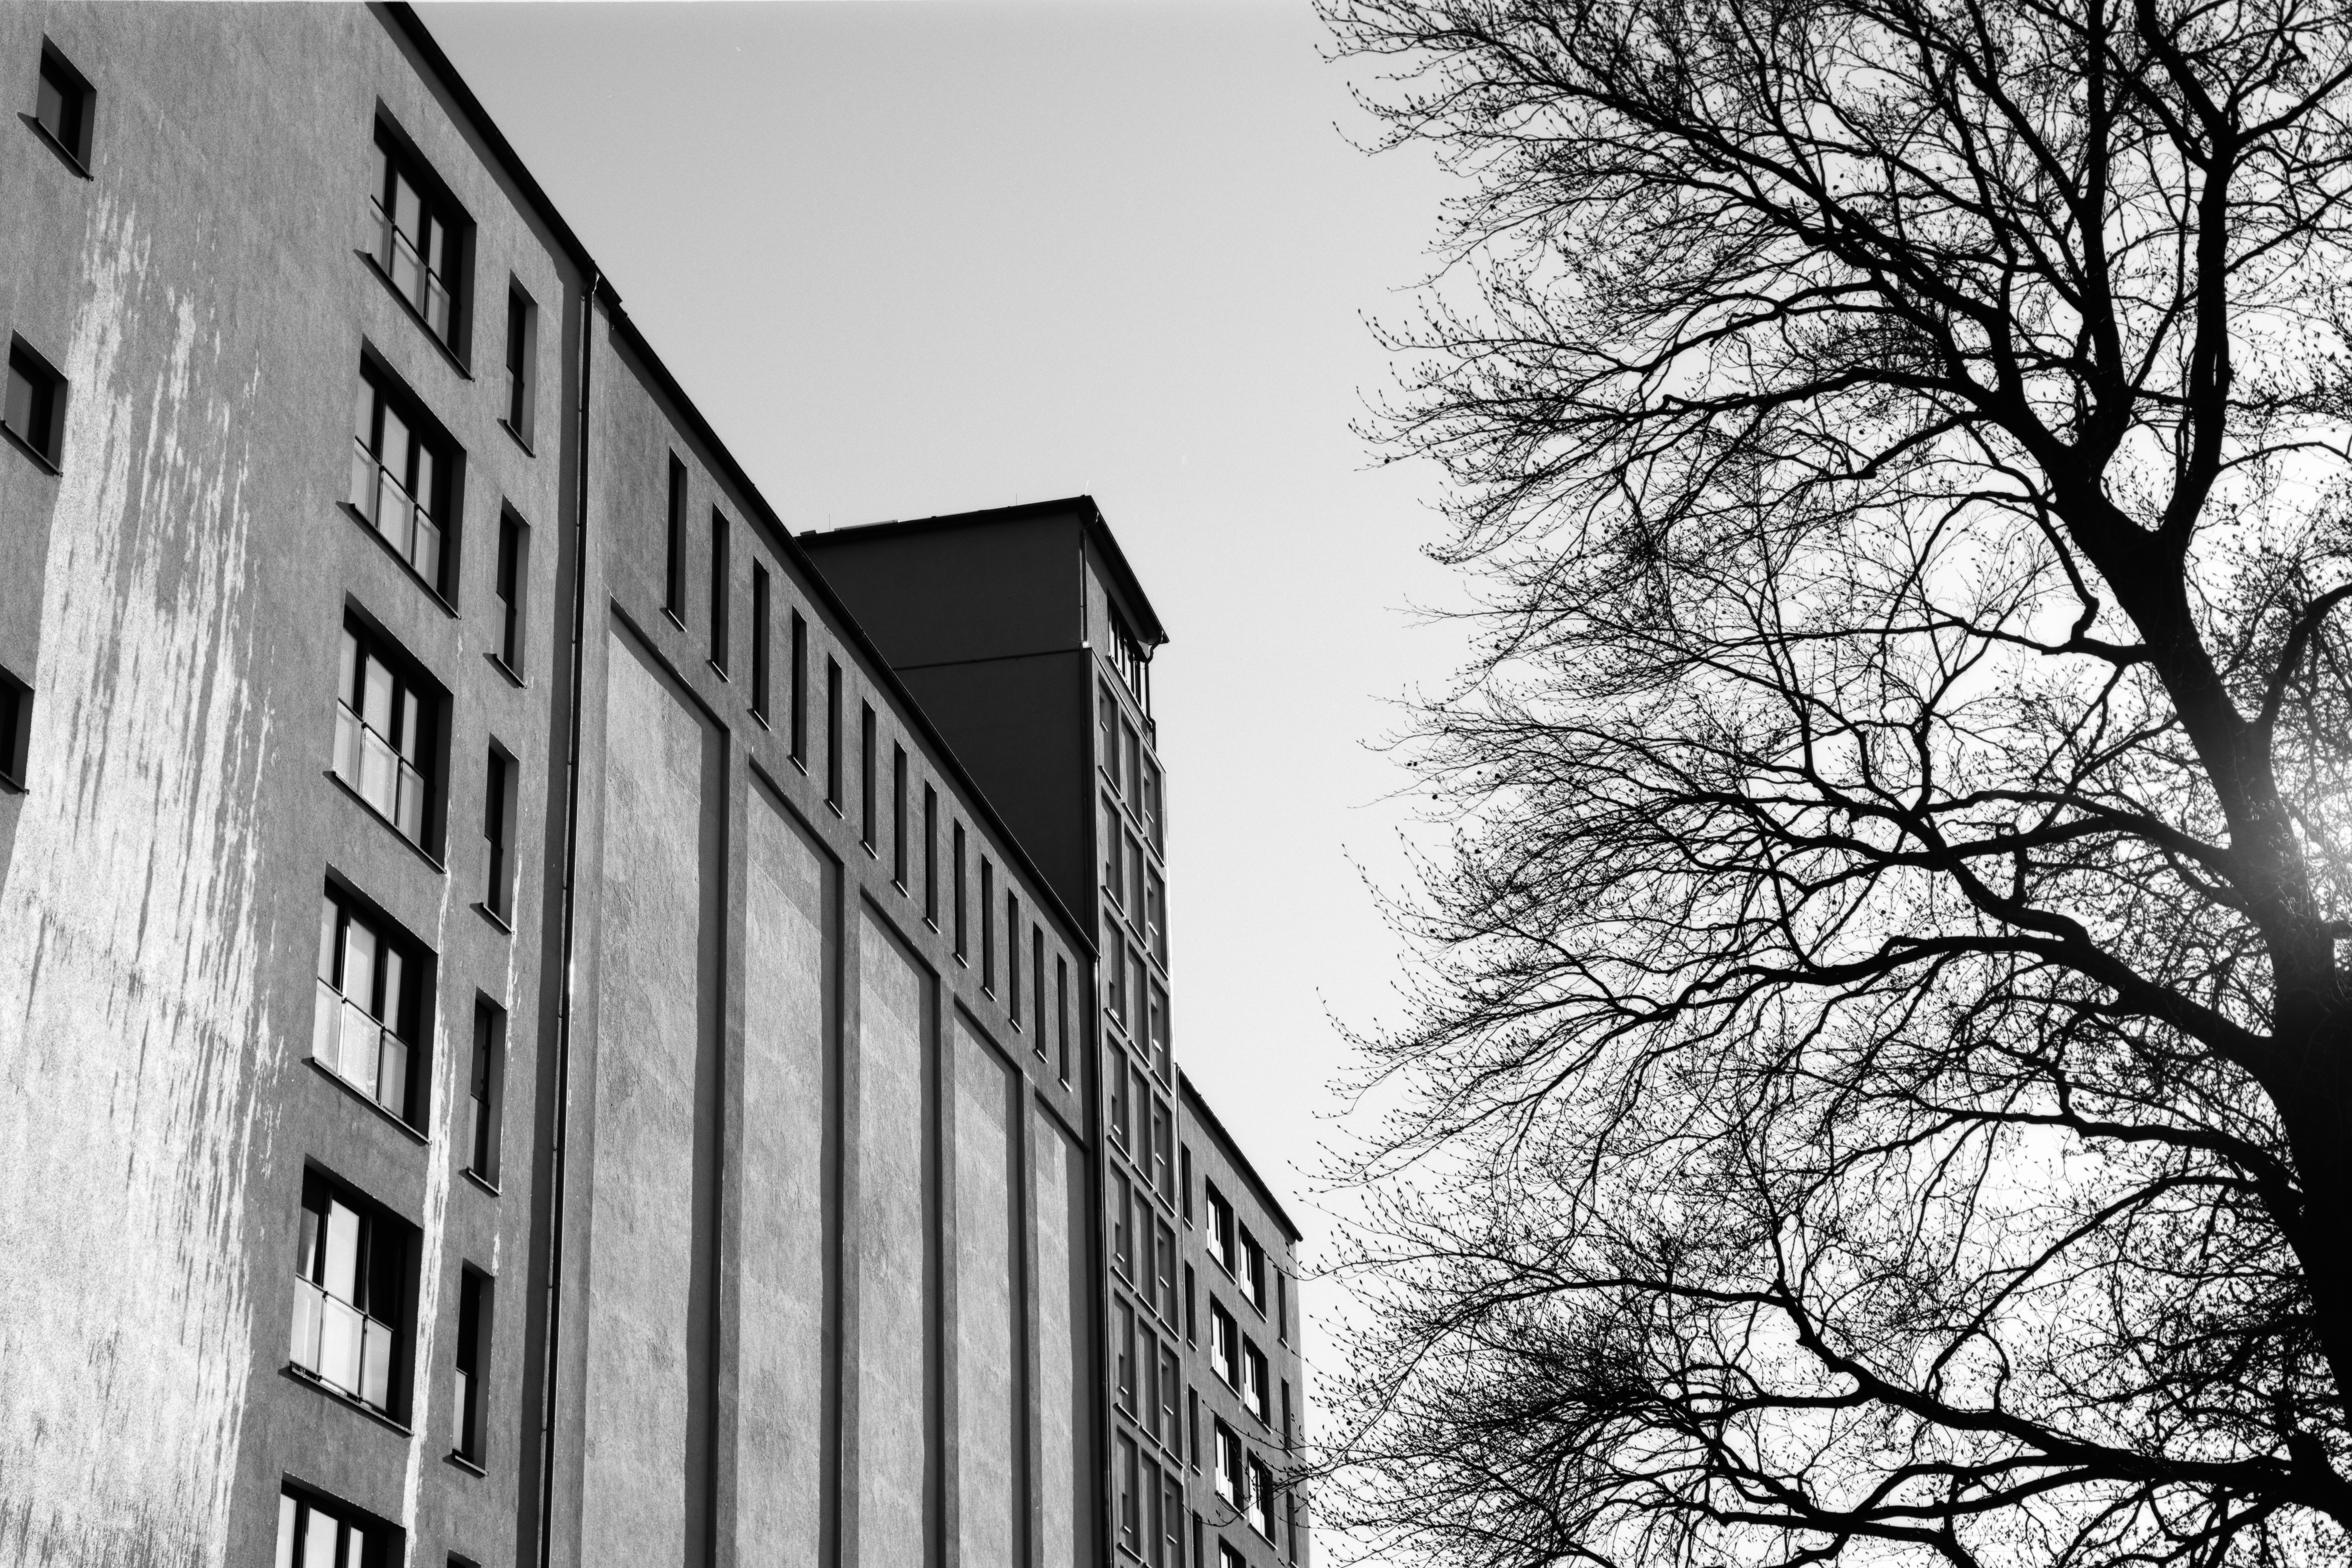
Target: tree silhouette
[{"x": 1880, "y": 1086}]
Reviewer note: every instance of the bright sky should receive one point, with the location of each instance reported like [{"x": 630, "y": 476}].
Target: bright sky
[{"x": 914, "y": 258}]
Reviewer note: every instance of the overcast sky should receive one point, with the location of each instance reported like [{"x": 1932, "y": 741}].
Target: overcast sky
[{"x": 914, "y": 258}]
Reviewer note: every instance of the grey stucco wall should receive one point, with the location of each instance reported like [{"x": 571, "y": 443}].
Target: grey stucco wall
[
  {"x": 781, "y": 1331},
  {"x": 650, "y": 1028},
  {"x": 892, "y": 1236},
  {"x": 988, "y": 1408}
]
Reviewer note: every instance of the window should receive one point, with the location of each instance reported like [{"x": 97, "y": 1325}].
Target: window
[
  {"x": 514, "y": 560},
  {"x": 522, "y": 360},
  {"x": 1229, "y": 1558},
  {"x": 1122, "y": 1225},
  {"x": 866, "y": 744},
  {"x": 1192, "y": 1427},
  {"x": 799, "y": 691},
  {"x": 363, "y": 1028},
  {"x": 416, "y": 236},
  {"x": 1147, "y": 1372},
  {"x": 1171, "y": 1551},
  {"x": 759, "y": 642},
  {"x": 1229, "y": 1482},
  {"x": 1118, "y": 1104},
  {"x": 1282, "y": 1306},
  {"x": 1130, "y": 1010},
  {"x": 1253, "y": 1271},
  {"x": 958, "y": 872},
  {"x": 1114, "y": 863},
  {"x": 1171, "y": 1378},
  {"x": 36, "y": 409},
  {"x": 1221, "y": 1229},
  {"x": 898, "y": 816},
  {"x": 1224, "y": 1346},
  {"x": 473, "y": 1364},
  {"x": 1260, "y": 1482},
  {"x": 1155, "y": 1024},
  {"x": 674, "y": 549},
  {"x": 832, "y": 733},
  {"x": 1134, "y": 877},
  {"x": 1287, "y": 1442},
  {"x": 1037, "y": 982},
  {"x": 351, "y": 1264},
  {"x": 1130, "y": 756},
  {"x": 1131, "y": 1528},
  {"x": 1155, "y": 915},
  {"x": 387, "y": 719},
  {"x": 1107, "y": 733},
  {"x": 484, "y": 1082},
  {"x": 498, "y": 835},
  {"x": 1013, "y": 955},
  {"x": 1163, "y": 1177},
  {"x": 316, "y": 1531},
  {"x": 1124, "y": 1347},
  {"x": 1192, "y": 1318},
  {"x": 932, "y": 857},
  {"x": 987, "y": 925},
  {"x": 1152, "y": 809},
  {"x": 1164, "y": 1254},
  {"x": 1062, "y": 1017},
  {"x": 66, "y": 106},
  {"x": 1114, "y": 975},
  {"x": 403, "y": 477},
  {"x": 1257, "y": 1396},
  {"x": 718, "y": 590},
  {"x": 1127, "y": 657},
  {"x": 1185, "y": 1180},
  {"x": 15, "y": 730}
]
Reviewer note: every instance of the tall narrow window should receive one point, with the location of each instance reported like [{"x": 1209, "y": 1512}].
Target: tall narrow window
[
  {"x": 386, "y": 721},
  {"x": 987, "y": 925},
  {"x": 1221, "y": 1229},
  {"x": 1155, "y": 915},
  {"x": 1253, "y": 1271},
  {"x": 898, "y": 816},
  {"x": 365, "y": 1026},
  {"x": 1164, "y": 1269},
  {"x": 800, "y": 690},
  {"x": 1260, "y": 1482},
  {"x": 402, "y": 473},
  {"x": 1184, "y": 1180},
  {"x": 36, "y": 409},
  {"x": 718, "y": 589},
  {"x": 1163, "y": 1174},
  {"x": 1062, "y": 1018},
  {"x": 1124, "y": 1346},
  {"x": 1130, "y": 1522},
  {"x": 1114, "y": 870},
  {"x": 1229, "y": 1482},
  {"x": 15, "y": 730},
  {"x": 351, "y": 1264},
  {"x": 1117, "y": 1073},
  {"x": 867, "y": 743},
  {"x": 1152, "y": 809},
  {"x": 1155, "y": 1024},
  {"x": 1107, "y": 733},
  {"x": 1037, "y": 982},
  {"x": 1013, "y": 955},
  {"x": 473, "y": 1364},
  {"x": 957, "y": 871},
  {"x": 417, "y": 238},
  {"x": 1282, "y": 1306},
  {"x": 498, "y": 835},
  {"x": 522, "y": 359},
  {"x": 1192, "y": 1313},
  {"x": 759, "y": 641},
  {"x": 514, "y": 560},
  {"x": 832, "y": 735},
  {"x": 1131, "y": 754},
  {"x": 66, "y": 107},
  {"x": 1255, "y": 1396},
  {"x": 484, "y": 1082},
  {"x": 931, "y": 856},
  {"x": 673, "y": 560}
]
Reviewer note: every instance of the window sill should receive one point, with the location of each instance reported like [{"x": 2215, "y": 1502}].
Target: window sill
[
  {"x": 467, "y": 1465},
  {"x": 417, "y": 316},
  {"x": 60, "y": 148},
  {"x": 719, "y": 670},
  {"x": 503, "y": 668},
  {"x": 369, "y": 529},
  {"x": 310, "y": 1380},
  {"x": 421, "y": 852},
  {"x": 761, "y": 720},
  {"x": 39, "y": 457},
  {"x": 10, "y": 784},
  {"x": 520, "y": 439},
  {"x": 673, "y": 617},
  {"x": 481, "y": 1181},
  {"x": 414, "y": 1134},
  {"x": 495, "y": 918}
]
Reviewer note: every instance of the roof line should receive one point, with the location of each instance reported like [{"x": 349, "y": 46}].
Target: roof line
[
  {"x": 1192, "y": 1092},
  {"x": 405, "y": 17},
  {"x": 1089, "y": 513}
]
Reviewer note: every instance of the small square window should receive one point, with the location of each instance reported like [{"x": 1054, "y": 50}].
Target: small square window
[
  {"x": 35, "y": 411},
  {"x": 66, "y": 108}
]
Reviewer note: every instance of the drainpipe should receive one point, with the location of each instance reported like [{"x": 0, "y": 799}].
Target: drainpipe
[{"x": 547, "y": 1361}]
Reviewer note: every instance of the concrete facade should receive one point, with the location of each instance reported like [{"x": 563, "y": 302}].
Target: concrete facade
[{"x": 732, "y": 1161}]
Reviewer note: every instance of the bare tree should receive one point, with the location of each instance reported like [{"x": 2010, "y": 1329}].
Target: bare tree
[{"x": 1880, "y": 1085}]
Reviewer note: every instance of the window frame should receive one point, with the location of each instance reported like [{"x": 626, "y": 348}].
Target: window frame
[
  {"x": 398, "y": 157},
  {"x": 501, "y": 805},
  {"x": 411, "y": 1026},
  {"x": 470, "y": 1361},
  {"x": 522, "y": 364},
  {"x": 389, "y": 394},
  {"x": 721, "y": 545},
  {"x": 421, "y": 706},
  {"x": 673, "y": 545},
  {"x": 486, "y": 1093},
  {"x": 374, "y": 1229},
  {"x": 59, "y": 74},
  {"x": 510, "y": 586},
  {"x": 45, "y": 400},
  {"x": 15, "y": 731}
]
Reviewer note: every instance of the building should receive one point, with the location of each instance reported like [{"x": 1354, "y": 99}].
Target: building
[{"x": 546, "y": 1019}]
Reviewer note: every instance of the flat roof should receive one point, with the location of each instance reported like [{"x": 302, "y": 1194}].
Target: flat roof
[
  {"x": 1098, "y": 530},
  {"x": 1233, "y": 1151}
]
